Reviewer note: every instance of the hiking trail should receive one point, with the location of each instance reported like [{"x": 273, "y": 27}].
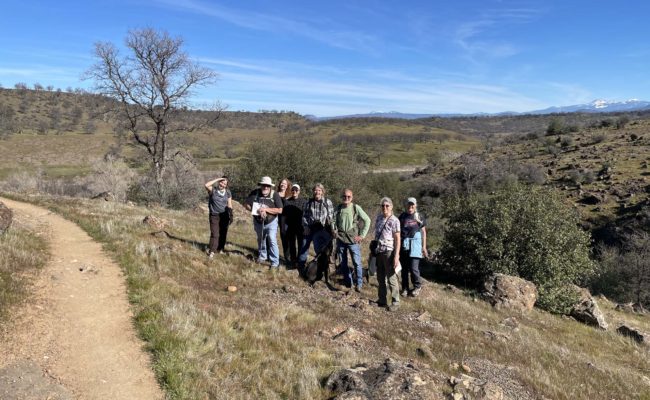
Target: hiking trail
[{"x": 74, "y": 336}]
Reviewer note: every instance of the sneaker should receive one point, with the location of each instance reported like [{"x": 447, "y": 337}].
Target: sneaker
[
  {"x": 416, "y": 292},
  {"x": 404, "y": 293},
  {"x": 394, "y": 306},
  {"x": 210, "y": 255}
]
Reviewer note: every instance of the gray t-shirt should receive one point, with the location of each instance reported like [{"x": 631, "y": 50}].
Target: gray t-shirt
[{"x": 218, "y": 201}]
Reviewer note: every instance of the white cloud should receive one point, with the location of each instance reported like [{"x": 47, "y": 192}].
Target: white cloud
[
  {"x": 473, "y": 36},
  {"x": 340, "y": 38},
  {"x": 358, "y": 91}
]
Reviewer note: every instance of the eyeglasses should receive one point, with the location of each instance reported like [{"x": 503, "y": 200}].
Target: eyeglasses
[
  {"x": 265, "y": 186},
  {"x": 346, "y": 197},
  {"x": 386, "y": 206}
]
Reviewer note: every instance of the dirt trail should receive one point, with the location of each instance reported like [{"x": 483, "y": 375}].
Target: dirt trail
[{"x": 74, "y": 339}]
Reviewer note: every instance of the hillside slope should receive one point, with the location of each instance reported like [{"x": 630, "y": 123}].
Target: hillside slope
[{"x": 276, "y": 337}]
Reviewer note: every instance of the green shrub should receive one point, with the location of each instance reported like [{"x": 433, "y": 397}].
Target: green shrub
[
  {"x": 555, "y": 127},
  {"x": 522, "y": 231},
  {"x": 567, "y": 141},
  {"x": 303, "y": 160}
]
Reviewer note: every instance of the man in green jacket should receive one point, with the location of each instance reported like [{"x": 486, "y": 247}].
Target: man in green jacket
[{"x": 349, "y": 236}]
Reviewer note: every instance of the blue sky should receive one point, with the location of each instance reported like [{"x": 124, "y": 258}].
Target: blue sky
[{"x": 343, "y": 57}]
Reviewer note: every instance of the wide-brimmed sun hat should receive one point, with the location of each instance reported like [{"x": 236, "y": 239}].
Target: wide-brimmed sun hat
[{"x": 266, "y": 180}]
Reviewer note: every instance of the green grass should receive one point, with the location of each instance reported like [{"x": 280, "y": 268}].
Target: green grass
[{"x": 273, "y": 337}]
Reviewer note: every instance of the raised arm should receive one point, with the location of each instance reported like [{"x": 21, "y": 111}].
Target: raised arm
[{"x": 210, "y": 184}]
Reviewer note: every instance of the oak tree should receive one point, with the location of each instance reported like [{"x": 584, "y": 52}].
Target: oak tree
[{"x": 152, "y": 84}]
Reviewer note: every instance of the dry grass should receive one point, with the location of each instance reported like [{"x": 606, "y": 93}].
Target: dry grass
[
  {"x": 21, "y": 253},
  {"x": 274, "y": 336}
]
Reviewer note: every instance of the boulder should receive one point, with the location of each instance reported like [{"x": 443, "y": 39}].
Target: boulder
[
  {"x": 156, "y": 223},
  {"x": 507, "y": 291},
  {"x": 6, "y": 217},
  {"x": 467, "y": 387},
  {"x": 388, "y": 380},
  {"x": 632, "y": 308},
  {"x": 586, "y": 309},
  {"x": 636, "y": 334}
]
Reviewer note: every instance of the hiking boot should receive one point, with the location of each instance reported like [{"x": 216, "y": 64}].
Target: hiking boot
[
  {"x": 394, "y": 306},
  {"x": 357, "y": 289},
  {"x": 404, "y": 293},
  {"x": 416, "y": 292}
]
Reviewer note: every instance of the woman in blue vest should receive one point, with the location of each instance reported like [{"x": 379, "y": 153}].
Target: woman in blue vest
[{"x": 414, "y": 247}]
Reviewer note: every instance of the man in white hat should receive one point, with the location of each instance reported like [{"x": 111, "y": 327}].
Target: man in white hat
[{"x": 265, "y": 205}]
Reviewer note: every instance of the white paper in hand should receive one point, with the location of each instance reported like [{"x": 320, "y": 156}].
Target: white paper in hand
[{"x": 256, "y": 208}]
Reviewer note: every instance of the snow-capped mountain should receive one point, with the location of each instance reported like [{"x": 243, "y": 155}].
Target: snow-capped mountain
[{"x": 597, "y": 106}]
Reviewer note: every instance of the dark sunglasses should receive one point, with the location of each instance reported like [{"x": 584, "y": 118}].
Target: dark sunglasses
[{"x": 346, "y": 197}]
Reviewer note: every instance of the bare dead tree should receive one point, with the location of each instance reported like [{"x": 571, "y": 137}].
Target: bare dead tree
[{"x": 152, "y": 84}]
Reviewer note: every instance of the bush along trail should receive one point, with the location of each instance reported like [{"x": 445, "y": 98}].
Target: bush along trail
[{"x": 74, "y": 338}]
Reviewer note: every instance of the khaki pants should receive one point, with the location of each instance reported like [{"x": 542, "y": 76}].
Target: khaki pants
[{"x": 387, "y": 279}]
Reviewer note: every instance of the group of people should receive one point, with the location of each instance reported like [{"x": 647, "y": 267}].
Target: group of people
[{"x": 399, "y": 242}]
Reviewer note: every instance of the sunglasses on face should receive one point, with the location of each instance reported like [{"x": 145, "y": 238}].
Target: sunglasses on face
[{"x": 346, "y": 197}]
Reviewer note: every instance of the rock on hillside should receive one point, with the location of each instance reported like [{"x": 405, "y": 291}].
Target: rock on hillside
[
  {"x": 510, "y": 292},
  {"x": 586, "y": 310},
  {"x": 6, "y": 216},
  {"x": 397, "y": 380},
  {"x": 388, "y": 380},
  {"x": 636, "y": 334}
]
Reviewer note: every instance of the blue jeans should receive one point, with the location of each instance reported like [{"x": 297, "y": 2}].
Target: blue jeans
[
  {"x": 320, "y": 238},
  {"x": 268, "y": 231},
  {"x": 342, "y": 253}
]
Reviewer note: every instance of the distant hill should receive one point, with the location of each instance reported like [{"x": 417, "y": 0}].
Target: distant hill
[{"x": 596, "y": 106}]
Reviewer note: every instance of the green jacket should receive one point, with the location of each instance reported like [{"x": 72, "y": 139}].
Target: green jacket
[{"x": 346, "y": 223}]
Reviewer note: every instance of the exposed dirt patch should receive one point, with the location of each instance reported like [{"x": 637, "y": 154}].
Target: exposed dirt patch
[{"x": 75, "y": 337}]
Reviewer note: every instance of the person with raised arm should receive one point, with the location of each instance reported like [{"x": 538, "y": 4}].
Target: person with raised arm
[{"x": 220, "y": 206}]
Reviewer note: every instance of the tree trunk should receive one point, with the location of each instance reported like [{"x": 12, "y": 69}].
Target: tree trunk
[{"x": 159, "y": 173}]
